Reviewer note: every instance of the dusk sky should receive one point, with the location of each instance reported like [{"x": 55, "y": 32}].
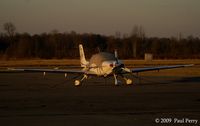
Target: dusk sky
[{"x": 160, "y": 18}]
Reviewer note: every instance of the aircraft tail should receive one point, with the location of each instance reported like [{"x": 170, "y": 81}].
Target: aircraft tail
[{"x": 83, "y": 61}]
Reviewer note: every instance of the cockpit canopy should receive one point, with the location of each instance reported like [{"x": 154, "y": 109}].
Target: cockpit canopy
[{"x": 98, "y": 58}]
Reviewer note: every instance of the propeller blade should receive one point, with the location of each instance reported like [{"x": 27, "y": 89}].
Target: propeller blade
[{"x": 116, "y": 56}]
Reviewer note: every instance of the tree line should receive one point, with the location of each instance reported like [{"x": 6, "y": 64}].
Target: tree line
[{"x": 65, "y": 45}]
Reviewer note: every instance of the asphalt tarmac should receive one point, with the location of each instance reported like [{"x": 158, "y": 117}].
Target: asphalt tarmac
[{"x": 29, "y": 99}]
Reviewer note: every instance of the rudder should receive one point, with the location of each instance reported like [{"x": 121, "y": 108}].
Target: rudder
[{"x": 82, "y": 56}]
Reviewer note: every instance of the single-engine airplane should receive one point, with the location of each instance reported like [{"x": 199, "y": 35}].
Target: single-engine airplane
[{"x": 102, "y": 64}]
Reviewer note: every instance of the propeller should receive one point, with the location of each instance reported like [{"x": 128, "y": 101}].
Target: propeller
[{"x": 116, "y": 56}]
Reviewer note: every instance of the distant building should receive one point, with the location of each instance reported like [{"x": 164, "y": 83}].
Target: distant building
[{"x": 148, "y": 57}]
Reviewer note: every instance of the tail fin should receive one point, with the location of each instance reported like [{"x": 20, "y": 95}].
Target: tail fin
[{"x": 82, "y": 56}]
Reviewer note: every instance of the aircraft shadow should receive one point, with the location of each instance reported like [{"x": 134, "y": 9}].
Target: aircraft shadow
[
  {"x": 181, "y": 80},
  {"x": 188, "y": 80}
]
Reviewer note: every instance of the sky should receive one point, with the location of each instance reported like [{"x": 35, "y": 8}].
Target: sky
[{"x": 159, "y": 18}]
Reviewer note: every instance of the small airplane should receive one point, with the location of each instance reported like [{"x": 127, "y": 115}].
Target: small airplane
[{"x": 102, "y": 64}]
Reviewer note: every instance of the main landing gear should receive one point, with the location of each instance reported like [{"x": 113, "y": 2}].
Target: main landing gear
[
  {"x": 117, "y": 82},
  {"x": 78, "y": 82}
]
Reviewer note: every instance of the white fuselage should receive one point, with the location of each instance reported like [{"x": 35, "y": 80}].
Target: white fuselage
[
  {"x": 101, "y": 64},
  {"x": 105, "y": 69}
]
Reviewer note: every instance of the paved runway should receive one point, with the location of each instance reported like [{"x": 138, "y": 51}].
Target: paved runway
[{"x": 33, "y": 100}]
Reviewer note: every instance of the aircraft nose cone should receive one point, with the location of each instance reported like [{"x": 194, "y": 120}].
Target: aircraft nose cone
[
  {"x": 111, "y": 65},
  {"x": 119, "y": 65},
  {"x": 118, "y": 68}
]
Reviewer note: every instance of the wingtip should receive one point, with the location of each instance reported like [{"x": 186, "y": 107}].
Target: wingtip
[
  {"x": 10, "y": 68},
  {"x": 188, "y": 65}
]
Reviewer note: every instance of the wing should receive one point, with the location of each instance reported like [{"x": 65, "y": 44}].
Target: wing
[
  {"x": 73, "y": 71},
  {"x": 49, "y": 70},
  {"x": 137, "y": 70}
]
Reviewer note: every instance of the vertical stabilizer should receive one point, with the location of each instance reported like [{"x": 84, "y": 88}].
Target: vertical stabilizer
[{"x": 82, "y": 56}]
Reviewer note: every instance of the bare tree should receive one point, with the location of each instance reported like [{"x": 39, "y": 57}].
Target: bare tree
[
  {"x": 138, "y": 31},
  {"x": 9, "y": 28},
  {"x": 137, "y": 34}
]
